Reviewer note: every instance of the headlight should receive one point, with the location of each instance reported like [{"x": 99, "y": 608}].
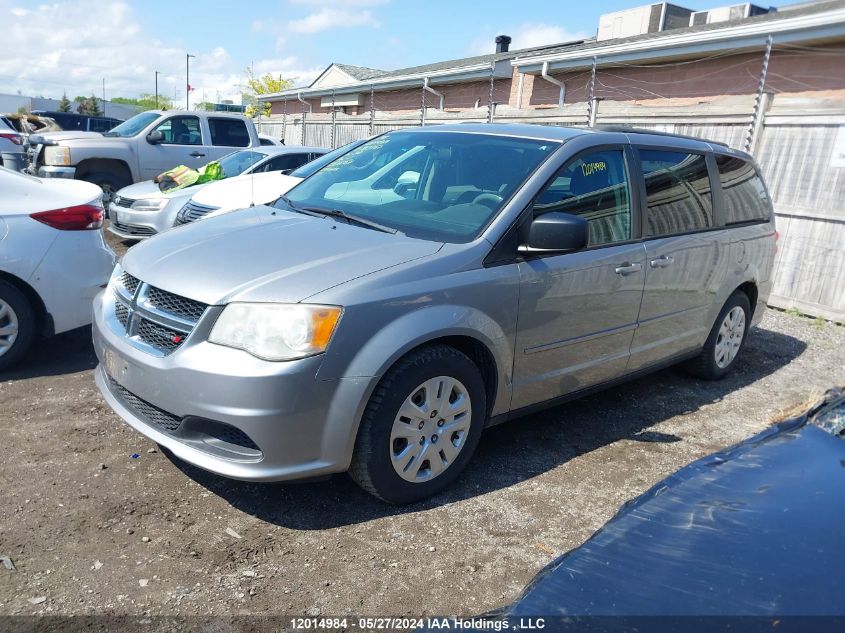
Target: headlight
[
  {"x": 274, "y": 331},
  {"x": 56, "y": 155},
  {"x": 149, "y": 204}
]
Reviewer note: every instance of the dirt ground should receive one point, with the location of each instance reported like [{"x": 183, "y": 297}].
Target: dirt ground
[{"x": 97, "y": 521}]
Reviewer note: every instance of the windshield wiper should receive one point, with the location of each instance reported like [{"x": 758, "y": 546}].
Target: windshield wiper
[{"x": 337, "y": 213}]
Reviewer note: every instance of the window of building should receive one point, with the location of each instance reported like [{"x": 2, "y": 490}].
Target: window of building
[
  {"x": 228, "y": 132},
  {"x": 594, "y": 186},
  {"x": 677, "y": 192},
  {"x": 745, "y": 196}
]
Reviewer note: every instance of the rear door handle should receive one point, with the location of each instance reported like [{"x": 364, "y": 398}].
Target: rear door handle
[
  {"x": 627, "y": 268},
  {"x": 196, "y": 154},
  {"x": 661, "y": 262}
]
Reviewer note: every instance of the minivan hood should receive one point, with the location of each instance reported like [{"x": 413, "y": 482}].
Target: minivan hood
[{"x": 266, "y": 255}]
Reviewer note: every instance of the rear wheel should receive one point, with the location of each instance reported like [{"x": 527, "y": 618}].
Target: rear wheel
[
  {"x": 421, "y": 426},
  {"x": 17, "y": 325},
  {"x": 726, "y": 339}
]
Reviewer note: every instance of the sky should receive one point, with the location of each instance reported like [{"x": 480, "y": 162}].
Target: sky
[{"x": 72, "y": 46}]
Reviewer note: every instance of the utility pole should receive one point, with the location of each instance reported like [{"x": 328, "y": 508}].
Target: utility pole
[
  {"x": 157, "y": 74},
  {"x": 104, "y": 96},
  {"x": 188, "y": 80}
]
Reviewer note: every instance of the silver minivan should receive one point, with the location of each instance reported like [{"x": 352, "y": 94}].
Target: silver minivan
[{"x": 426, "y": 285}]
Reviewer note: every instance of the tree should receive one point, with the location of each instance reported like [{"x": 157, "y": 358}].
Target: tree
[
  {"x": 64, "y": 103},
  {"x": 90, "y": 106},
  {"x": 146, "y": 101},
  {"x": 256, "y": 86}
]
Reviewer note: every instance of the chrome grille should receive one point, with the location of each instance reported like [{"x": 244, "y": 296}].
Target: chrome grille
[
  {"x": 144, "y": 410},
  {"x": 122, "y": 313},
  {"x": 133, "y": 229},
  {"x": 129, "y": 282},
  {"x": 120, "y": 201},
  {"x": 169, "y": 302},
  {"x": 152, "y": 319},
  {"x": 192, "y": 212}
]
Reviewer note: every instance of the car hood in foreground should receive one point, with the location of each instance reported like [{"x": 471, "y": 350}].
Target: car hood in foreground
[{"x": 264, "y": 254}]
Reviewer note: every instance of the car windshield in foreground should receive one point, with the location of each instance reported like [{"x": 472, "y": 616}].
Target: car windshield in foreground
[
  {"x": 440, "y": 186},
  {"x": 132, "y": 126},
  {"x": 237, "y": 163}
]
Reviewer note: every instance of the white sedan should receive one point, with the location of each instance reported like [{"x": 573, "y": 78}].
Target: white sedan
[{"x": 53, "y": 259}]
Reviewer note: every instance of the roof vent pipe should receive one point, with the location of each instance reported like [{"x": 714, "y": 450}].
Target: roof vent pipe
[{"x": 503, "y": 43}]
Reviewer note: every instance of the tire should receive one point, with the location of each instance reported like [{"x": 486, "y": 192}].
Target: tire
[
  {"x": 17, "y": 325},
  {"x": 725, "y": 342},
  {"x": 386, "y": 438},
  {"x": 109, "y": 182}
]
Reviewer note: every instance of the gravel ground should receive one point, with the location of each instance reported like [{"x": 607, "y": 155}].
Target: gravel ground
[{"x": 92, "y": 529}]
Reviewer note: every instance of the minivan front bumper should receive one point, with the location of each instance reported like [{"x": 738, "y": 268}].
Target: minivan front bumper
[{"x": 226, "y": 411}]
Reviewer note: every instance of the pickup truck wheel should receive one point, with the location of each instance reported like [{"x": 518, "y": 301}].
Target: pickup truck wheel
[
  {"x": 725, "y": 341},
  {"x": 17, "y": 325},
  {"x": 110, "y": 183},
  {"x": 421, "y": 426}
]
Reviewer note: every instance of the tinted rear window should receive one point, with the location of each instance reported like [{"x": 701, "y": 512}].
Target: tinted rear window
[
  {"x": 745, "y": 196},
  {"x": 228, "y": 132},
  {"x": 677, "y": 191}
]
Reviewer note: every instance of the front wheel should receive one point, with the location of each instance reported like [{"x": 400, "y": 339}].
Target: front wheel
[
  {"x": 421, "y": 426},
  {"x": 726, "y": 339}
]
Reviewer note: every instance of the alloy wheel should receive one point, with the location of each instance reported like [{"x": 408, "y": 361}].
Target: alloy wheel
[
  {"x": 8, "y": 327},
  {"x": 730, "y": 336}
]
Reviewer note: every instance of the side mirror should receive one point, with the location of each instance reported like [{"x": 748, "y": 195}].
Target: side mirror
[
  {"x": 155, "y": 137},
  {"x": 406, "y": 182},
  {"x": 556, "y": 232}
]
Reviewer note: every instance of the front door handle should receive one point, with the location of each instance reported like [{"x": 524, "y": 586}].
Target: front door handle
[
  {"x": 627, "y": 268},
  {"x": 196, "y": 154},
  {"x": 661, "y": 262}
]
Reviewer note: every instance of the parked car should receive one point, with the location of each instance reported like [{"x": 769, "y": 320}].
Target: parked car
[
  {"x": 12, "y": 151},
  {"x": 378, "y": 326},
  {"x": 265, "y": 139},
  {"x": 142, "y": 210},
  {"x": 70, "y": 121},
  {"x": 244, "y": 191},
  {"x": 141, "y": 148},
  {"x": 52, "y": 259}
]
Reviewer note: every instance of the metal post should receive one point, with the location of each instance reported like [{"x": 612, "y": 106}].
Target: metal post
[
  {"x": 372, "y": 110},
  {"x": 594, "y": 111},
  {"x": 104, "y": 96},
  {"x": 422, "y": 105},
  {"x": 760, "y": 102},
  {"x": 304, "y": 115},
  {"x": 591, "y": 117},
  {"x": 490, "y": 94},
  {"x": 188, "y": 80},
  {"x": 157, "y": 74},
  {"x": 334, "y": 120},
  {"x": 284, "y": 118}
]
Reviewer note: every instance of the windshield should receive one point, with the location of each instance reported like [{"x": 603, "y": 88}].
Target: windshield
[
  {"x": 309, "y": 168},
  {"x": 133, "y": 126},
  {"x": 441, "y": 186},
  {"x": 237, "y": 163}
]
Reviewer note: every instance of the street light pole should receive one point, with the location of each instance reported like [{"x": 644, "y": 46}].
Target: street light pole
[
  {"x": 157, "y": 74},
  {"x": 188, "y": 80}
]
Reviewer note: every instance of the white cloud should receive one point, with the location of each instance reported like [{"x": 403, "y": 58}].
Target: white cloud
[
  {"x": 53, "y": 48},
  {"x": 526, "y": 35},
  {"x": 329, "y": 18}
]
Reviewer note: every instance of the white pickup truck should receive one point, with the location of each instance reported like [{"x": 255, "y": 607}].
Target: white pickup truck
[{"x": 141, "y": 148}]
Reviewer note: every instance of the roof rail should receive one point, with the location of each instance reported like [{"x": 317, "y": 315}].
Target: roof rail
[{"x": 639, "y": 130}]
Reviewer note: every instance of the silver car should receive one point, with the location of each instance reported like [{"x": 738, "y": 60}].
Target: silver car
[
  {"x": 428, "y": 284},
  {"x": 142, "y": 210}
]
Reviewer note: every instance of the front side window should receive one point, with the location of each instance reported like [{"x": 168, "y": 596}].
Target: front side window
[
  {"x": 745, "y": 196},
  {"x": 595, "y": 187},
  {"x": 181, "y": 130},
  {"x": 228, "y": 132},
  {"x": 285, "y": 162},
  {"x": 442, "y": 186},
  {"x": 678, "y": 194}
]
